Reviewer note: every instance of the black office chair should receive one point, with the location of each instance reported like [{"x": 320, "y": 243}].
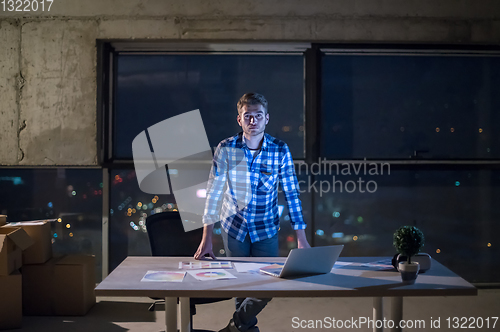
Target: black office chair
[{"x": 167, "y": 238}]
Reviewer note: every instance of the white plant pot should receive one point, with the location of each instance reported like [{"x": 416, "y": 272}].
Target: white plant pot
[{"x": 409, "y": 272}]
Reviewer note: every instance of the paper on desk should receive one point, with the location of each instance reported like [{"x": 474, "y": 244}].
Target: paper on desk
[
  {"x": 30, "y": 223},
  {"x": 340, "y": 264},
  {"x": 385, "y": 264},
  {"x": 164, "y": 276},
  {"x": 211, "y": 274},
  {"x": 250, "y": 267},
  {"x": 205, "y": 265}
]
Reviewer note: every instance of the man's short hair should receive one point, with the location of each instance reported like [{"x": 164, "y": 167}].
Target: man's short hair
[{"x": 252, "y": 99}]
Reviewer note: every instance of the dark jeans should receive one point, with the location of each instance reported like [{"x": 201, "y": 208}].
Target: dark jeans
[{"x": 247, "y": 308}]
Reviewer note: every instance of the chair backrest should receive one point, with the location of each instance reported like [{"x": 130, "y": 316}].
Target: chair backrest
[{"x": 167, "y": 236}]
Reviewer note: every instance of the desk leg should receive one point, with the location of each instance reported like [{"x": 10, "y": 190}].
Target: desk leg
[
  {"x": 396, "y": 313},
  {"x": 378, "y": 313},
  {"x": 185, "y": 314},
  {"x": 171, "y": 314}
]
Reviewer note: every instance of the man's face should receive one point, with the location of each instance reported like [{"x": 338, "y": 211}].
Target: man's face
[{"x": 253, "y": 119}]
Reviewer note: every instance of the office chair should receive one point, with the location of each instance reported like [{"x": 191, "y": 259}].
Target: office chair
[{"x": 167, "y": 238}]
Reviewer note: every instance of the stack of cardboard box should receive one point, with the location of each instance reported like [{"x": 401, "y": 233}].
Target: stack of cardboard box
[
  {"x": 50, "y": 286},
  {"x": 13, "y": 240}
]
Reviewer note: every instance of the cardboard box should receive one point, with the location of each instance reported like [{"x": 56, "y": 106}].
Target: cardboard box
[
  {"x": 10, "y": 301},
  {"x": 41, "y": 251},
  {"x": 13, "y": 240},
  {"x": 74, "y": 285},
  {"x": 61, "y": 287},
  {"x": 37, "y": 288},
  {"x": 3, "y": 219}
]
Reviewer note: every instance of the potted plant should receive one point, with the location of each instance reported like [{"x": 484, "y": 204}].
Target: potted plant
[{"x": 408, "y": 240}]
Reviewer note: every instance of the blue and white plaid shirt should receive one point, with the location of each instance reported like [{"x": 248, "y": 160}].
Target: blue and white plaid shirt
[{"x": 244, "y": 195}]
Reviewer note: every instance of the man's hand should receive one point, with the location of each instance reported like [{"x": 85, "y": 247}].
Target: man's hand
[
  {"x": 204, "y": 248},
  {"x": 301, "y": 239},
  {"x": 206, "y": 243}
]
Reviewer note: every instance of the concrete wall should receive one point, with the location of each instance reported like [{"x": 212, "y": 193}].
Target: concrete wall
[{"x": 48, "y": 59}]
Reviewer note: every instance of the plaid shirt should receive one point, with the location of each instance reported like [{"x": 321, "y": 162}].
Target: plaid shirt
[{"x": 242, "y": 190}]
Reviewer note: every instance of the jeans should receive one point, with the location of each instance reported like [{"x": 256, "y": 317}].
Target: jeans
[{"x": 247, "y": 308}]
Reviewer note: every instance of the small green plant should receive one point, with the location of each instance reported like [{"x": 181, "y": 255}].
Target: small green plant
[{"x": 408, "y": 240}]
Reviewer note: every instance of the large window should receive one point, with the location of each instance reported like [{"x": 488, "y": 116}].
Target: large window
[
  {"x": 426, "y": 118},
  {"x": 152, "y": 88},
  {"x": 406, "y": 106},
  {"x": 72, "y": 198},
  {"x": 129, "y": 208},
  {"x": 430, "y": 118},
  {"x": 455, "y": 209}
]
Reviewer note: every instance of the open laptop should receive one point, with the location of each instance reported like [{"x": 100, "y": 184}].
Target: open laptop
[{"x": 306, "y": 261}]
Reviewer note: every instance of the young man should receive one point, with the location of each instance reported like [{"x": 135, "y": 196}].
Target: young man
[{"x": 250, "y": 225}]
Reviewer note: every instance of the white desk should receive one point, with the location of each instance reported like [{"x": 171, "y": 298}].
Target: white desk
[{"x": 346, "y": 281}]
